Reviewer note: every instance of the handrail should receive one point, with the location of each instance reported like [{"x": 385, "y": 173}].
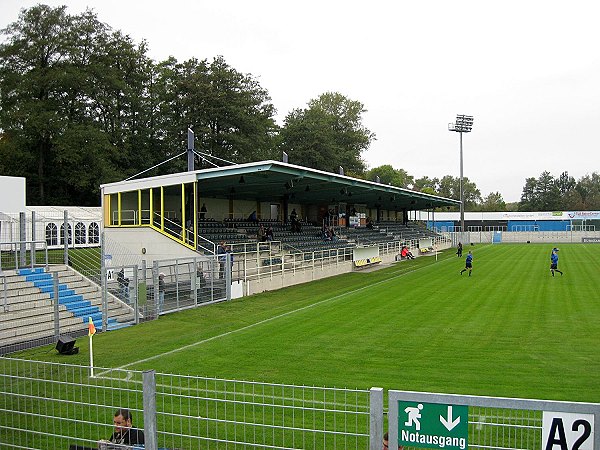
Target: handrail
[
  {"x": 15, "y": 247},
  {"x": 5, "y": 289}
]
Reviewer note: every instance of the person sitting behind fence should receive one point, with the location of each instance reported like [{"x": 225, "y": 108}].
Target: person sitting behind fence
[
  {"x": 161, "y": 291},
  {"x": 369, "y": 223},
  {"x": 124, "y": 433},
  {"x": 123, "y": 285},
  {"x": 270, "y": 233},
  {"x": 386, "y": 442},
  {"x": 406, "y": 253}
]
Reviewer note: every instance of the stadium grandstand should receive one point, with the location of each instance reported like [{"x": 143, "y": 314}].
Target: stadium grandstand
[{"x": 160, "y": 244}]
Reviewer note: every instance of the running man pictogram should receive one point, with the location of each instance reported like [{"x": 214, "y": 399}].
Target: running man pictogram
[{"x": 414, "y": 414}]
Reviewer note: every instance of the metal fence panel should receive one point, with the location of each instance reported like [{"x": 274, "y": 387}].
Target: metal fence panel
[
  {"x": 49, "y": 405},
  {"x": 493, "y": 422}
]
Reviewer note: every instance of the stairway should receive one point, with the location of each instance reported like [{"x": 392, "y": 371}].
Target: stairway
[{"x": 28, "y": 313}]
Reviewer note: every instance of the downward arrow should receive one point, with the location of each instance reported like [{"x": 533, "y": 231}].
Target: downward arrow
[{"x": 449, "y": 423}]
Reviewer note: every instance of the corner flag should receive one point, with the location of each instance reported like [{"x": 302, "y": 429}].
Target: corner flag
[
  {"x": 91, "y": 332},
  {"x": 91, "y": 328}
]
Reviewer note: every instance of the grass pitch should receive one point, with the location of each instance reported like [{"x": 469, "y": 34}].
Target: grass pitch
[{"x": 508, "y": 330}]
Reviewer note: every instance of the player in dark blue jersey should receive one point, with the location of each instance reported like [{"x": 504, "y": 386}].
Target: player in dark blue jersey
[
  {"x": 554, "y": 262},
  {"x": 468, "y": 263}
]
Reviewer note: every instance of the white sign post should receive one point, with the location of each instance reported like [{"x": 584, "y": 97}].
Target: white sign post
[{"x": 567, "y": 431}]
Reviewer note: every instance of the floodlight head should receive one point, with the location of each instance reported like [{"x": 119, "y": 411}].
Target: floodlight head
[{"x": 463, "y": 124}]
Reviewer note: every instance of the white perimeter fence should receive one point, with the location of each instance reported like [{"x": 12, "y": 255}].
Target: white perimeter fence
[{"x": 54, "y": 406}]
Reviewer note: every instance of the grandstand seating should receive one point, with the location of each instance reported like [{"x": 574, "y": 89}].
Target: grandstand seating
[
  {"x": 29, "y": 311},
  {"x": 220, "y": 231},
  {"x": 310, "y": 238}
]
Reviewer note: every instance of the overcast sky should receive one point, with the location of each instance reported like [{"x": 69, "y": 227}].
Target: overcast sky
[{"x": 528, "y": 71}]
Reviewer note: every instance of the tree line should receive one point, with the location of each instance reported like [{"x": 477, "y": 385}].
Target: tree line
[{"x": 82, "y": 104}]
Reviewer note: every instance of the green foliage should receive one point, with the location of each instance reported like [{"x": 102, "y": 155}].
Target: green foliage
[
  {"x": 547, "y": 193},
  {"x": 82, "y": 105},
  {"x": 388, "y": 175},
  {"x": 493, "y": 202},
  {"x": 327, "y": 134}
]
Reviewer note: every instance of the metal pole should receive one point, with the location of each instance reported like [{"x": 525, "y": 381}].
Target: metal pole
[
  {"x": 190, "y": 153},
  {"x": 228, "y": 276},
  {"x": 155, "y": 287},
  {"x": 136, "y": 287},
  {"x": 22, "y": 240},
  {"x": 103, "y": 283},
  {"x": 56, "y": 312},
  {"x": 66, "y": 236},
  {"x": 462, "y": 200},
  {"x": 376, "y": 418},
  {"x": 149, "y": 400},
  {"x": 33, "y": 243}
]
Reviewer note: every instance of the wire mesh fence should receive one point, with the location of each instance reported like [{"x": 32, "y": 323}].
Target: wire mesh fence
[
  {"x": 52, "y": 406},
  {"x": 458, "y": 422}
]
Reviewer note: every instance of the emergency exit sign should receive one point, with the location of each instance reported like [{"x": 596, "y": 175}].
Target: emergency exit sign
[{"x": 433, "y": 425}]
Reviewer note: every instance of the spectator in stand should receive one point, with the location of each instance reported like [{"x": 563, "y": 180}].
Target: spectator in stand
[
  {"x": 332, "y": 235},
  {"x": 369, "y": 223},
  {"x": 228, "y": 252},
  {"x": 203, "y": 211},
  {"x": 123, "y": 285},
  {"x": 294, "y": 221},
  {"x": 161, "y": 291},
  {"x": 262, "y": 234},
  {"x": 406, "y": 253},
  {"x": 221, "y": 258},
  {"x": 270, "y": 233}
]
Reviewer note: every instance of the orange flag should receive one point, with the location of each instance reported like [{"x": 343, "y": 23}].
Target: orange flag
[{"x": 91, "y": 328}]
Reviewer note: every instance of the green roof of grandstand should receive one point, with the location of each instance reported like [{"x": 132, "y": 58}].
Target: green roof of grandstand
[{"x": 267, "y": 180}]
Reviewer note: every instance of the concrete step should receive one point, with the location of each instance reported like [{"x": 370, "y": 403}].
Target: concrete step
[{"x": 30, "y": 312}]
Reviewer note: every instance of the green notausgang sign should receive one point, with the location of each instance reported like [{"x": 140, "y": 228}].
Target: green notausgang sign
[{"x": 433, "y": 425}]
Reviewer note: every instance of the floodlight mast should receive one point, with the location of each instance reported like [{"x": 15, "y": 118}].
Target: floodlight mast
[{"x": 463, "y": 124}]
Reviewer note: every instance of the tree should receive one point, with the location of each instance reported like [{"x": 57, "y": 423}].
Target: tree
[
  {"x": 449, "y": 187},
  {"x": 327, "y": 134},
  {"x": 588, "y": 188},
  {"x": 32, "y": 68},
  {"x": 565, "y": 183},
  {"x": 388, "y": 175},
  {"x": 71, "y": 97},
  {"x": 528, "y": 199},
  {"x": 547, "y": 193},
  {"x": 231, "y": 115},
  {"x": 493, "y": 202},
  {"x": 75, "y": 94},
  {"x": 426, "y": 185}
]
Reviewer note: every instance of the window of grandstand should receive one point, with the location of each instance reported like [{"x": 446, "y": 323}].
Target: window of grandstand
[
  {"x": 62, "y": 234},
  {"x": 51, "y": 234},
  {"x": 80, "y": 233},
  {"x": 93, "y": 233}
]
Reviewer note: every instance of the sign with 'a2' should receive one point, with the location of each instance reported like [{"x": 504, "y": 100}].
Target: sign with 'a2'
[{"x": 567, "y": 431}]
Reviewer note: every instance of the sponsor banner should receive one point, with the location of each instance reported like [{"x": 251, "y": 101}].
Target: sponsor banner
[{"x": 590, "y": 240}]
